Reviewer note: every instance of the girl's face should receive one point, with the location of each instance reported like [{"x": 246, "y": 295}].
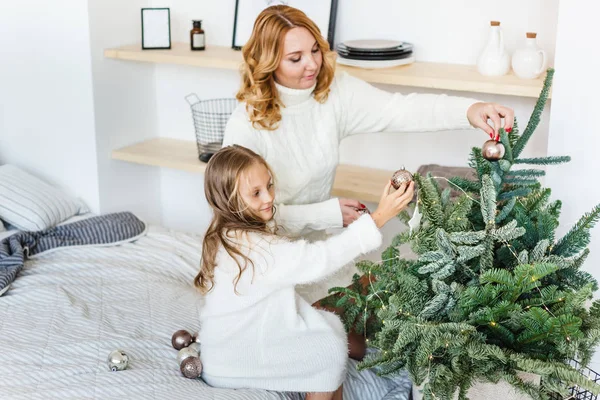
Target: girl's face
[
  {"x": 256, "y": 189},
  {"x": 301, "y": 61}
]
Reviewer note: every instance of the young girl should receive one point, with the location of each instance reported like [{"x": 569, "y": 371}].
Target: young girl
[{"x": 256, "y": 331}]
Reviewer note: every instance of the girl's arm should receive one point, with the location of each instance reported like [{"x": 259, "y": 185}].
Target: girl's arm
[{"x": 287, "y": 263}]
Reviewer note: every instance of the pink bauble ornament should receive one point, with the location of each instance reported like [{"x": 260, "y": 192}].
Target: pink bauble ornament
[
  {"x": 492, "y": 150},
  {"x": 181, "y": 339},
  {"x": 401, "y": 176}
]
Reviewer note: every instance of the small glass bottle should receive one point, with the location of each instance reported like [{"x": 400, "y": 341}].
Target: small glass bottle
[{"x": 197, "y": 36}]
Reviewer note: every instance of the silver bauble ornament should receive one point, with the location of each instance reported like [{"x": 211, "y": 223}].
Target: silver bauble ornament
[
  {"x": 401, "y": 176},
  {"x": 186, "y": 352},
  {"x": 191, "y": 367},
  {"x": 181, "y": 339},
  {"x": 492, "y": 150},
  {"x": 118, "y": 360},
  {"x": 195, "y": 346}
]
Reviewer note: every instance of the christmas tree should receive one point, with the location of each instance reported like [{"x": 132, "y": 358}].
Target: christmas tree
[{"x": 491, "y": 291}]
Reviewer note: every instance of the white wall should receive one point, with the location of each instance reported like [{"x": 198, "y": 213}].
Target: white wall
[
  {"x": 64, "y": 107},
  {"x": 46, "y": 99},
  {"x": 455, "y": 36},
  {"x": 130, "y": 102},
  {"x": 125, "y": 106},
  {"x": 574, "y": 126}
]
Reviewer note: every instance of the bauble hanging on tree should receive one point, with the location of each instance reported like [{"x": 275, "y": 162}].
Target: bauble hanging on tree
[
  {"x": 492, "y": 150},
  {"x": 401, "y": 176}
]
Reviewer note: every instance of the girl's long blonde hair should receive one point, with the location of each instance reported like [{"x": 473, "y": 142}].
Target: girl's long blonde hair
[
  {"x": 262, "y": 55},
  {"x": 231, "y": 214}
]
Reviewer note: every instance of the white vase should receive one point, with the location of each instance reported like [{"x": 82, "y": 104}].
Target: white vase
[
  {"x": 529, "y": 61},
  {"x": 494, "y": 60},
  {"x": 490, "y": 391}
]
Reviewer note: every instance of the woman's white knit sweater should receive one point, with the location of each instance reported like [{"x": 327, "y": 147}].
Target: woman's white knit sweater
[
  {"x": 304, "y": 150},
  {"x": 267, "y": 336}
]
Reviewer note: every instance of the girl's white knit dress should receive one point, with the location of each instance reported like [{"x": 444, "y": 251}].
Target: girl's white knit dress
[
  {"x": 304, "y": 150},
  {"x": 267, "y": 336}
]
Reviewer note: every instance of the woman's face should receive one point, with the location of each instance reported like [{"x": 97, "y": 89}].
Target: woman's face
[
  {"x": 256, "y": 189},
  {"x": 301, "y": 61}
]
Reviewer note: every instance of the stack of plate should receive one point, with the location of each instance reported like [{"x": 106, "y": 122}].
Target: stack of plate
[{"x": 374, "y": 53}]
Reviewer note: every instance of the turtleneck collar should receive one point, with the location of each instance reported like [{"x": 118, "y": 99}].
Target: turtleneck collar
[{"x": 291, "y": 97}]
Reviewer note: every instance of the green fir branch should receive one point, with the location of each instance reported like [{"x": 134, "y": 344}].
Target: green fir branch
[
  {"x": 431, "y": 200},
  {"x": 480, "y": 164},
  {"x": 506, "y": 210},
  {"x": 465, "y": 184},
  {"x": 488, "y": 201},
  {"x": 508, "y": 152},
  {"x": 552, "y": 160},
  {"x": 520, "y": 192},
  {"x": 579, "y": 236},
  {"x": 535, "y": 116},
  {"x": 527, "y": 173}
]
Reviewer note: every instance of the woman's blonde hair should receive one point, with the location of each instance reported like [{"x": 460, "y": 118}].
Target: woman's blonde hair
[
  {"x": 230, "y": 213},
  {"x": 262, "y": 55}
]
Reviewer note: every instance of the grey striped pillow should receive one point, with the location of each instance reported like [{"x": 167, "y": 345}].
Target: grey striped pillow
[{"x": 30, "y": 204}]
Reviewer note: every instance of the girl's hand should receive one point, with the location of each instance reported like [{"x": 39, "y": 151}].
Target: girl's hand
[
  {"x": 391, "y": 204},
  {"x": 349, "y": 210},
  {"x": 479, "y": 113}
]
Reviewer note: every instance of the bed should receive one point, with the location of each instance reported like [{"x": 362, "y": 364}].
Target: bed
[{"x": 70, "y": 307}]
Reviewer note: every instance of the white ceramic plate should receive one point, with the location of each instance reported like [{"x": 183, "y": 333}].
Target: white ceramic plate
[
  {"x": 372, "y": 44},
  {"x": 375, "y": 64}
]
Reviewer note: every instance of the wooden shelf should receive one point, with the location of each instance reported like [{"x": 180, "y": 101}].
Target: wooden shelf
[
  {"x": 419, "y": 74},
  {"x": 351, "y": 181}
]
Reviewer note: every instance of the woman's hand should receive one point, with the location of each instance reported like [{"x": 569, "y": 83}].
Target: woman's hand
[
  {"x": 479, "y": 114},
  {"x": 349, "y": 210},
  {"x": 391, "y": 204}
]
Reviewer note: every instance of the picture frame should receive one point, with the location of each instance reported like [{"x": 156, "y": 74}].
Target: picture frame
[
  {"x": 156, "y": 28},
  {"x": 322, "y": 12}
]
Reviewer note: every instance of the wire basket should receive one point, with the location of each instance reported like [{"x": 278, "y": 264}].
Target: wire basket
[
  {"x": 210, "y": 118},
  {"x": 577, "y": 392}
]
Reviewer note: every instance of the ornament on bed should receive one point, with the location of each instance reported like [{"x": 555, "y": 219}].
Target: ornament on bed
[
  {"x": 401, "y": 176},
  {"x": 118, "y": 360},
  {"x": 187, "y": 352},
  {"x": 191, "y": 367},
  {"x": 181, "y": 339},
  {"x": 188, "y": 356},
  {"x": 195, "y": 346},
  {"x": 492, "y": 150}
]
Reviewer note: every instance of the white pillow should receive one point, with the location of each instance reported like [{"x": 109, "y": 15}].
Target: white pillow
[
  {"x": 2, "y": 228},
  {"x": 30, "y": 204}
]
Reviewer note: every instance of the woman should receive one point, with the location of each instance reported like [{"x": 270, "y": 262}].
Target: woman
[{"x": 294, "y": 113}]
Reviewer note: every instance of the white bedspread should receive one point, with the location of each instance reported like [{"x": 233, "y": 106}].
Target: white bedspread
[{"x": 68, "y": 309}]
